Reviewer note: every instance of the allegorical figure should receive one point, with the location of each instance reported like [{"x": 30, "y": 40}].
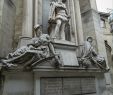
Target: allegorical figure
[
  {"x": 40, "y": 45},
  {"x": 59, "y": 15},
  {"x": 89, "y": 55}
]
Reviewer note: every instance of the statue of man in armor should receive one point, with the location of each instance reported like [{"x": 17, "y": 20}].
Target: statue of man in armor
[{"x": 59, "y": 15}]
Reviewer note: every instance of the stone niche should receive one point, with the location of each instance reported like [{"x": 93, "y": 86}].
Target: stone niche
[
  {"x": 45, "y": 14},
  {"x": 69, "y": 29}
]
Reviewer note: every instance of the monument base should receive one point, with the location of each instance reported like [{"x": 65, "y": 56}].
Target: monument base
[{"x": 67, "y": 51}]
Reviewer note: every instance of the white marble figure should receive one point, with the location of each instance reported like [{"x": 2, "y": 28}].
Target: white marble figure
[
  {"x": 89, "y": 55},
  {"x": 30, "y": 46},
  {"x": 37, "y": 30},
  {"x": 59, "y": 15},
  {"x": 40, "y": 45}
]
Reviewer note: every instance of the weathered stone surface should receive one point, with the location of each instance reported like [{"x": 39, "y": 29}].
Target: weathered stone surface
[
  {"x": 7, "y": 29},
  {"x": 68, "y": 86},
  {"x": 18, "y": 21},
  {"x": 20, "y": 83},
  {"x": 67, "y": 50},
  {"x": 69, "y": 78},
  {"x": 51, "y": 86}
]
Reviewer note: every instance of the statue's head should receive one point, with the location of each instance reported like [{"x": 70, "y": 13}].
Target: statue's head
[
  {"x": 90, "y": 39},
  {"x": 37, "y": 26},
  {"x": 37, "y": 29}
]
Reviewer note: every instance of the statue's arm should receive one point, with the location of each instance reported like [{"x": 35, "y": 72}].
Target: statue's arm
[
  {"x": 67, "y": 13},
  {"x": 94, "y": 52},
  {"x": 51, "y": 48}
]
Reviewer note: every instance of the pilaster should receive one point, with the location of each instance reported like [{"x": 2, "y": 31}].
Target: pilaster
[
  {"x": 27, "y": 18},
  {"x": 78, "y": 22}
]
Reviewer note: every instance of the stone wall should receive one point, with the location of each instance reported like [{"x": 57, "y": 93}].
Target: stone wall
[
  {"x": 1, "y": 7},
  {"x": 7, "y": 26},
  {"x": 91, "y": 25},
  {"x": 18, "y": 21},
  {"x": 18, "y": 83}
]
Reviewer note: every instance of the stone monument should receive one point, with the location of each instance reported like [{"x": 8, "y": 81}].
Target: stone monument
[
  {"x": 44, "y": 47},
  {"x": 48, "y": 64}
]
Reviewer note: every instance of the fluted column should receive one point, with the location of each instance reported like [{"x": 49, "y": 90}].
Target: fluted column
[
  {"x": 38, "y": 12},
  {"x": 73, "y": 23},
  {"x": 27, "y": 24},
  {"x": 79, "y": 22},
  {"x": 27, "y": 18}
]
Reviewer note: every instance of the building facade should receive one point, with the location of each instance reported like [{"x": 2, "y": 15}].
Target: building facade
[
  {"x": 31, "y": 70},
  {"x": 106, "y": 26}
]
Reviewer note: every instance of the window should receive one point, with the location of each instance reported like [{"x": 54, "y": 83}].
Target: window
[
  {"x": 102, "y": 23},
  {"x": 111, "y": 27}
]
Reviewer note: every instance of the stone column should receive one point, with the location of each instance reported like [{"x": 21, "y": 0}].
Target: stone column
[
  {"x": 7, "y": 23},
  {"x": 78, "y": 22},
  {"x": 27, "y": 18},
  {"x": 73, "y": 23},
  {"x": 38, "y": 12},
  {"x": 91, "y": 25},
  {"x": 37, "y": 18},
  {"x": 27, "y": 24}
]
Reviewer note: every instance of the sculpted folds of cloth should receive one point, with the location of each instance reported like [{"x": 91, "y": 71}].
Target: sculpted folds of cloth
[
  {"x": 90, "y": 56},
  {"x": 40, "y": 46}
]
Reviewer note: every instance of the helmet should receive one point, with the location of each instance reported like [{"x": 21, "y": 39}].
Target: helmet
[{"x": 37, "y": 26}]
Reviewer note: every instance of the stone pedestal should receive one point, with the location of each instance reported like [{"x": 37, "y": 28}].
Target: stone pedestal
[
  {"x": 18, "y": 83},
  {"x": 67, "y": 83},
  {"x": 67, "y": 51}
]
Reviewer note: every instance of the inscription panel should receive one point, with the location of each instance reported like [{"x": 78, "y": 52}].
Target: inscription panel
[
  {"x": 71, "y": 86},
  {"x": 88, "y": 85},
  {"x": 51, "y": 86},
  {"x": 68, "y": 86}
]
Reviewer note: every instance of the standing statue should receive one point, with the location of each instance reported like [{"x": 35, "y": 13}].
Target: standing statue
[
  {"x": 90, "y": 56},
  {"x": 59, "y": 15}
]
